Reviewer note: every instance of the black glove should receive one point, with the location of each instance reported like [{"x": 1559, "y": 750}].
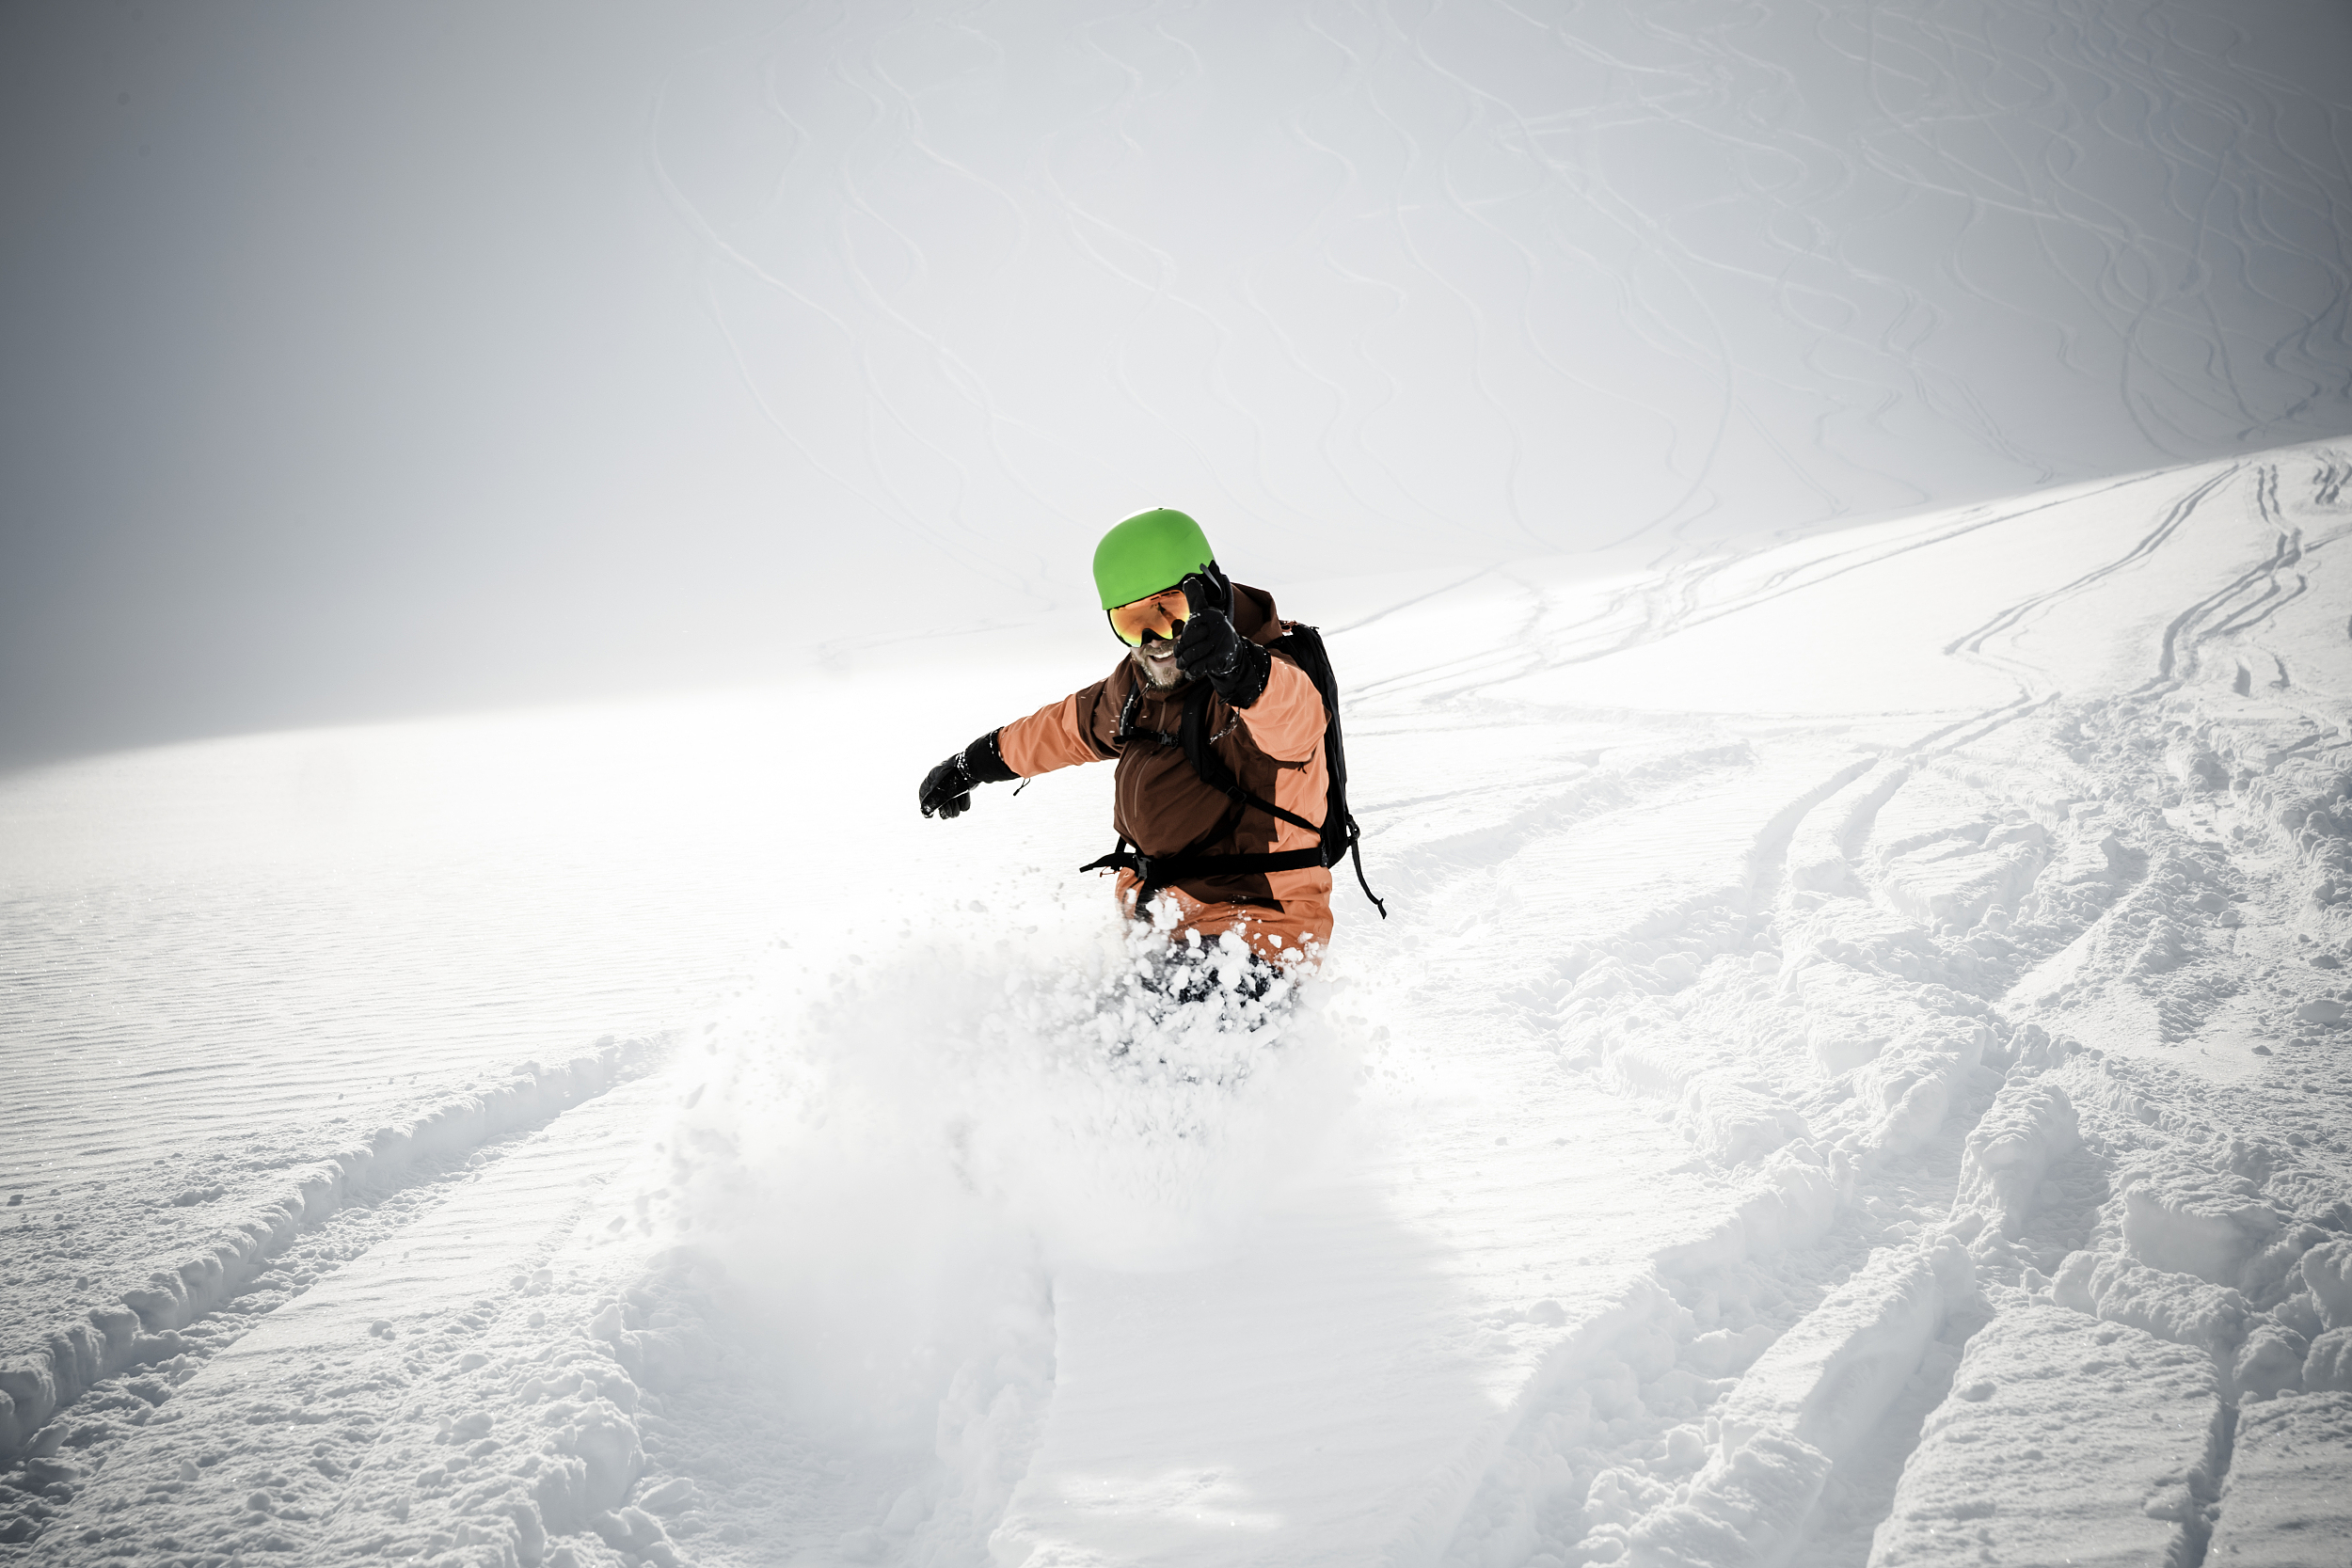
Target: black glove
[
  {"x": 947, "y": 788},
  {"x": 1209, "y": 648}
]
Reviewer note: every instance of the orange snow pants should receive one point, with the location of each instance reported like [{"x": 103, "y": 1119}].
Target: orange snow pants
[{"x": 1276, "y": 932}]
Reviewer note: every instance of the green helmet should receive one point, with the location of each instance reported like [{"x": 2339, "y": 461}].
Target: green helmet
[{"x": 1148, "y": 553}]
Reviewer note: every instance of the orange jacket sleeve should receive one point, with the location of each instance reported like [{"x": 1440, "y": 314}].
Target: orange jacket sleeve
[
  {"x": 1286, "y": 721},
  {"x": 1059, "y": 734}
]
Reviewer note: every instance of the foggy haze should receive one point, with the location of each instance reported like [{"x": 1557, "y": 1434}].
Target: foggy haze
[{"x": 369, "y": 360}]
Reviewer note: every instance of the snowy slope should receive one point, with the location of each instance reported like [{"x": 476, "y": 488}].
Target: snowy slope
[{"x": 1852, "y": 1077}]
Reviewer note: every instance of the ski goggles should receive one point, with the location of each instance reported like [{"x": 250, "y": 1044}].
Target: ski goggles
[{"x": 1161, "y": 615}]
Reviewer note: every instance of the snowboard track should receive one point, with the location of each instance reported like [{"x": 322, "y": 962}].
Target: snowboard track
[
  {"x": 86, "y": 1384},
  {"x": 1583, "y": 1479}
]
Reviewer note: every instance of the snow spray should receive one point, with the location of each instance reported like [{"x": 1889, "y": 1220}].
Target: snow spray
[{"x": 897, "y": 1142}]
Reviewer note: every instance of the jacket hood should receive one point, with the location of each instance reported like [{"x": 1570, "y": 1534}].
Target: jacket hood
[{"x": 1254, "y": 616}]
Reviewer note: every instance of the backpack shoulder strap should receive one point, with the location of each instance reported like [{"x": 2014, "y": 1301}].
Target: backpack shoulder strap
[{"x": 1194, "y": 736}]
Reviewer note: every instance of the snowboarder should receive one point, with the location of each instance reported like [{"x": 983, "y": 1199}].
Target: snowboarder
[{"x": 1224, "y": 796}]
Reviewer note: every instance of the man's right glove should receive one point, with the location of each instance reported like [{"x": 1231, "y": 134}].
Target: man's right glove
[{"x": 947, "y": 788}]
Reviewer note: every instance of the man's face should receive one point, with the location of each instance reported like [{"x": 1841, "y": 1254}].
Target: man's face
[{"x": 1155, "y": 661}]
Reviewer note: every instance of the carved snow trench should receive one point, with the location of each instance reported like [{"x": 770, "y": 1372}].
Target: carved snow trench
[
  {"x": 1803, "y": 1242},
  {"x": 103, "y": 1379},
  {"x": 1806, "y": 1295}
]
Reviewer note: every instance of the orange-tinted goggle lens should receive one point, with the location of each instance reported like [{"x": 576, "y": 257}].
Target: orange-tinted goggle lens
[{"x": 1161, "y": 614}]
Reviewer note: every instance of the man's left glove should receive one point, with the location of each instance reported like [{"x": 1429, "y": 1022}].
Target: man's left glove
[
  {"x": 947, "y": 788},
  {"x": 1210, "y": 649}
]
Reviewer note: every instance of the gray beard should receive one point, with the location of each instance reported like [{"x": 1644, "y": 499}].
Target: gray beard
[{"x": 1150, "y": 675}]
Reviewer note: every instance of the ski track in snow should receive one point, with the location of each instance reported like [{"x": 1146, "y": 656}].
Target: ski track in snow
[{"x": 1854, "y": 1077}]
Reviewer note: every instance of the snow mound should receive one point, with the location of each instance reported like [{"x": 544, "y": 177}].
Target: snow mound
[{"x": 2041, "y": 1395}]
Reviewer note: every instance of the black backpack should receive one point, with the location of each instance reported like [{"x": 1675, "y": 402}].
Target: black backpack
[{"x": 1342, "y": 838}]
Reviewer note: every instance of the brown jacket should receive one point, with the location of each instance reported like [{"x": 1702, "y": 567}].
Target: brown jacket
[{"x": 1162, "y": 806}]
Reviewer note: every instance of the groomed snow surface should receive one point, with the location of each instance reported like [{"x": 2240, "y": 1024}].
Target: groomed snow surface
[{"x": 1855, "y": 1074}]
